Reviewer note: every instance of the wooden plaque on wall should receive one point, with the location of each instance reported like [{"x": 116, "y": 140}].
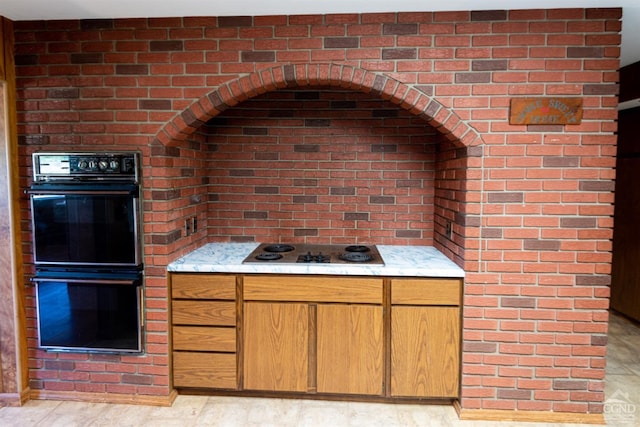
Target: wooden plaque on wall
[{"x": 546, "y": 111}]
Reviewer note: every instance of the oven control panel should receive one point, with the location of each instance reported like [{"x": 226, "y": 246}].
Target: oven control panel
[{"x": 72, "y": 166}]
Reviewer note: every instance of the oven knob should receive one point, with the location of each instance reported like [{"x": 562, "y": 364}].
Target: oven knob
[
  {"x": 113, "y": 164},
  {"x": 92, "y": 164},
  {"x": 82, "y": 164},
  {"x": 103, "y": 164}
]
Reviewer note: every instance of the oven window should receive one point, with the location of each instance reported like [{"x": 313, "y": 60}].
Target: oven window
[
  {"x": 92, "y": 317},
  {"x": 85, "y": 229}
]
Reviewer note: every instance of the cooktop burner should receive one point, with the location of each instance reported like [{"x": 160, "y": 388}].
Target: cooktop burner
[
  {"x": 268, "y": 256},
  {"x": 356, "y": 257},
  {"x": 314, "y": 254},
  {"x": 278, "y": 248},
  {"x": 357, "y": 248}
]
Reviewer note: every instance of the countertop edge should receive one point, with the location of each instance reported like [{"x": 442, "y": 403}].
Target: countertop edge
[{"x": 400, "y": 261}]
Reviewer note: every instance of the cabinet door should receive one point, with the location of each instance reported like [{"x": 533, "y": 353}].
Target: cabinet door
[
  {"x": 276, "y": 346},
  {"x": 425, "y": 351},
  {"x": 350, "y": 349}
]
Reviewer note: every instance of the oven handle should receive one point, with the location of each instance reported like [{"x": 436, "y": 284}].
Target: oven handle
[
  {"x": 89, "y": 281},
  {"x": 82, "y": 193}
]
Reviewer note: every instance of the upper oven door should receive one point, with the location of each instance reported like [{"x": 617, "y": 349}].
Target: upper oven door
[{"x": 86, "y": 225}]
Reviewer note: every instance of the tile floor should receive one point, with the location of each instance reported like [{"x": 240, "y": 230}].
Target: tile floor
[{"x": 623, "y": 385}]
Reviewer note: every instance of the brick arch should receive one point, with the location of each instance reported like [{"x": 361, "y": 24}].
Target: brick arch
[{"x": 233, "y": 92}]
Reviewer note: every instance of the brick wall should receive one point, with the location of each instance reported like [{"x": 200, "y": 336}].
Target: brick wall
[
  {"x": 321, "y": 166},
  {"x": 529, "y": 207}
]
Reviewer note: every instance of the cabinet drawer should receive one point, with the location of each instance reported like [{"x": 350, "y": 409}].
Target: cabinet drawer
[
  {"x": 214, "y": 313},
  {"x": 203, "y": 286},
  {"x": 204, "y": 338},
  {"x": 426, "y": 291},
  {"x": 313, "y": 289},
  {"x": 215, "y": 370}
]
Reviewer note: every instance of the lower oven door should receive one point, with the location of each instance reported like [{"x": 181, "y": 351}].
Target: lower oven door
[{"x": 90, "y": 312}]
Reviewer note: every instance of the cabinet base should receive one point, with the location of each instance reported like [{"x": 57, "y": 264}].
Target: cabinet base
[
  {"x": 315, "y": 396},
  {"x": 527, "y": 416},
  {"x": 105, "y": 397}
]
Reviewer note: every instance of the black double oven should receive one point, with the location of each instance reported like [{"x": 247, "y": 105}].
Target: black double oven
[{"x": 86, "y": 220}]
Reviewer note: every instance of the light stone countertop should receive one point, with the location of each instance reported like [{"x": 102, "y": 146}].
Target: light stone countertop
[{"x": 412, "y": 261}]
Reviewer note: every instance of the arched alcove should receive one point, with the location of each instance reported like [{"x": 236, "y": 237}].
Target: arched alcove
[{"x": 181, "y": 149}]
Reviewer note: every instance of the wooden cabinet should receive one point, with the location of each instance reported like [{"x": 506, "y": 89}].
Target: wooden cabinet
[
  {"x": 425, "y": 337},
  {"x": 343, "y": 335},
  {"x": 204, "y": 330},
  {"x": 302, "y": 336},
  {"x": 625, "y": 268}
]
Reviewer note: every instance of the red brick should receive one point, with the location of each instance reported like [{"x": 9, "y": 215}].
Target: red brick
[
  {"x": 524, "y": 405},
  {"x": 551, "y": 395},
  {"x": 105, "y": 377}
]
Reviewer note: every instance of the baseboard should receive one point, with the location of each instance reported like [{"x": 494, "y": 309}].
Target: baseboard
[
  {"x": 527, "y": 416},
  {"x": 105, "y": 397},
  {"x": 15, "y": 399}
]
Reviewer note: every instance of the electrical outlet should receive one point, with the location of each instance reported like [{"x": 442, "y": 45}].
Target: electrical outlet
[
  {"x": 448, "y": 230},
  {"x": 194, "y": 224},
  {"x": 187, "y": 227}
]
